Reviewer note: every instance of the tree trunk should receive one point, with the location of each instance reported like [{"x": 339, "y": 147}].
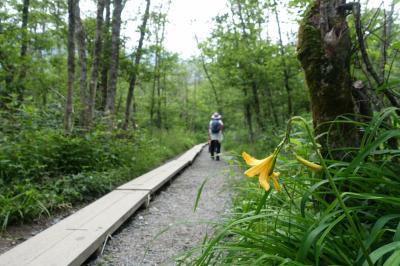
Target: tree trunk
[
  {"x": 71, "y": 67},
  {"x": 158, "y": 86},
  {"x": 160, "y": 46},
  {"x": 134, "y": 74},
  {"x": 324, "y": 48},
  {"x": 268, "y": 95},
  {"x": 105, "y": 64},
  {"x": 248, "y": 116},
  {"x": 154, "y": 87},
  {"x": 284, "y": 65},
  {"x": 216, "y": 97},
  {"x": 114, "y": 59},
  {"x": 81, "y": 43},
  {"x": 256, "y": 106},
  {"x": 96, "y": 61},
  {"x": 24, "y": 49},
  {"x": 164, "y": 97}
]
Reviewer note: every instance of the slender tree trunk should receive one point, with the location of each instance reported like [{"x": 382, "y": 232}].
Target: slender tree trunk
[
  {"x": 81, "y": 43},
  {"x": 114, "y": 59},
  {"x": 96, "y": 61},
  {"x": 364, "y": 54},
  {"x": 105, "y": 64},
  {"x": 158, "y": 86},
  {"x": 268, "y": 96},
  {"x": 216, "y": 97},
  {"x": 248, "y": 116},
  {"x": 134, "y": 73},
  {"x": 285, "y": 67},
  {"x": 324, "y": 48},
  {"x": 24, "y": 49},
  {"x": 71, "y": 67},
  {"x": 384, "y": 46},
  {"x": 164, "y": 97},
  {"x": 256, "y": 106},
  {"x": 153, "y": 90},
  {"x": 160, "y": 51}
]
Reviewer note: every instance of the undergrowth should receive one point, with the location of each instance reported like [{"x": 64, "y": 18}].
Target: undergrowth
[
  {"x": 346, "y": 214},
  {"x": 43, "y": 170}
]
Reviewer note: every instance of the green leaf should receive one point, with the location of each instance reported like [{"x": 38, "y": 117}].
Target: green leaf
[
  {"x": 396, "y": 45},
  {"x": 394, "y": 259},
  {"x": 196, "y": 203},
  {"x": 378, "y": 253}
]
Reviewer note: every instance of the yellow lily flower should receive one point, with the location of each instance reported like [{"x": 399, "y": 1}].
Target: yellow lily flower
[
  {"x": 313, "y": 166},
  {"x": 262, "y": 168}
]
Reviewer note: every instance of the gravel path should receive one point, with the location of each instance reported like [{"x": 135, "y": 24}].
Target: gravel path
[{"x": 159, "y": 234}]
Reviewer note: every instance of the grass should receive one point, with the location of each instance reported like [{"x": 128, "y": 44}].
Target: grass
[{"x": 348, "y": 214}]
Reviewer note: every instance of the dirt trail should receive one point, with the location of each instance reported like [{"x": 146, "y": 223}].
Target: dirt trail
[{"x": 159, "y": 234}]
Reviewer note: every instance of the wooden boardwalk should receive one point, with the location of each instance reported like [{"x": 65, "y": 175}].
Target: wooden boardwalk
[{"x": 75, "y": 238}]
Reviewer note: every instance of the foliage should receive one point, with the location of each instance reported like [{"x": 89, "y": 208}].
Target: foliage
[
  {"x": 43, "y": 170},
  {"x": 306, "y": 224}
]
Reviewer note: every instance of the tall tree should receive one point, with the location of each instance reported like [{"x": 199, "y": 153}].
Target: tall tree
[
  {"x": 81, "y": 43},
  {"x": 114, "y": 57},
  {"x": 96, "y": 61},
  {"x": 324, "y": 50},
  {"x": 105, "y": 62},
  {"x": 138, "y": 56},
  {"x": 155, "y": 102},
  {"x": 69, "y": 108},
  {"x": 214, "y": 90},
  {"x": 24, "y": 49}
]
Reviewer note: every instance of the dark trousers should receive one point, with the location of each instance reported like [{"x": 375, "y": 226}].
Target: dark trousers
[{"x": 215, "y": 147}]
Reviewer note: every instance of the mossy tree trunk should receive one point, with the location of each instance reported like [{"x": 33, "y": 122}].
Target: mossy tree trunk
[{"x": 324, "y": 48}]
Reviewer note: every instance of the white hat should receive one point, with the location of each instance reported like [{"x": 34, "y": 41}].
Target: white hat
[{"x": 216, "y": 115}]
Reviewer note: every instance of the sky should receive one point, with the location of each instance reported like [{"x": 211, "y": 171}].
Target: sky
[{"x": 189, "y": 17}]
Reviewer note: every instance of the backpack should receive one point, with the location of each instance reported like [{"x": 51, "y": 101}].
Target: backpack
[{"x": 215, "y": 126}]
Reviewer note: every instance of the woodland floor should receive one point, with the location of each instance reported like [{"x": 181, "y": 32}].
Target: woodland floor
[{"x": 160, "y": 234}]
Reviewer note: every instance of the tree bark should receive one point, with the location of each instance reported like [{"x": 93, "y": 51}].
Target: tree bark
[
  {"x": 324, "y": 52},
  {"x": 114, "y": 59},
  {"x": 138, "y": 56},
  {"x": 96, "y": 61},
  {"x": 71, "y": 67},
  {"x": 81, "y": 45},
  {"x": 105, "y": 64},
  {"x": 24, "y": 49}
]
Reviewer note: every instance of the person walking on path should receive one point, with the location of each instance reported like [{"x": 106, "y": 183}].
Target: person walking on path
[{"x": 215, "y": 135}]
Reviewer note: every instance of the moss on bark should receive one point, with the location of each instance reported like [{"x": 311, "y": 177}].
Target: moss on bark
[{"x": 325, "y": 57}]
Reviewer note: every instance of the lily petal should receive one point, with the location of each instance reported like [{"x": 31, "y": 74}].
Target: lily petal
[
  {"x": 275, "y": 181},
  {"x": 250, "y": 160},
  {"x": 263, "y": 179},
  {"x": 259, "y": 168}
]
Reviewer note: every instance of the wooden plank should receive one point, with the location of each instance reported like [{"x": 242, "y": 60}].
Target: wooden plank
[
  {"x": 80, "y": 244},
  {"x": 154, "y": 179},
  {"x": 27, "y": 252},
  {"x": 157, "y": 179},
  {"x": 143, "y": 179}
]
